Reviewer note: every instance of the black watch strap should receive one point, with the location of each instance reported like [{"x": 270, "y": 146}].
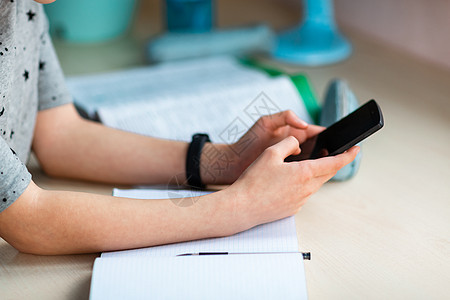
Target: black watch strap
[{"x": 193, "y": 160}]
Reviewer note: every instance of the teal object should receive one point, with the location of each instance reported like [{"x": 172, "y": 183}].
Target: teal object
[
  {"x": 315, "y": 42},
  {"x": 186, "y": 45},
  {"x": 192, "y": 16},
  {"x": 87, "y": 21},
  {"x": 191, "y": 33},
  {"x": 339, "y": 102}
]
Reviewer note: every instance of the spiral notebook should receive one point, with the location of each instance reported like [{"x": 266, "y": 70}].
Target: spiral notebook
[{"x": 264, "y": 263}]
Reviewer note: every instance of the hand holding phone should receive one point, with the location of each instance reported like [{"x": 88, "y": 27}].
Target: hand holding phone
[{"x": 343, "y": 134}]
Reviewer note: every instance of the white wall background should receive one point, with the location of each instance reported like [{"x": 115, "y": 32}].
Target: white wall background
[{"x": 420, "y": 27}]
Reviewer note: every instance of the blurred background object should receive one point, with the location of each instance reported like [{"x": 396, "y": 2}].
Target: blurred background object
[
  {"x": 412, "y": 26},
  {"x": 189, "y": 15},
  {"x": 86, "y": 21},
  {"x": 149, "y": 22},
  {"x": 340, "y": 101},
  {"x": 151, "y": 16},
  {"x": 191, "y": 33},
  {"x": 316, "y": 41}
]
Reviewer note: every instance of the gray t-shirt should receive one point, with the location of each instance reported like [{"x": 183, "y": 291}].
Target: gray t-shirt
[{"x": 30, "y": 80}]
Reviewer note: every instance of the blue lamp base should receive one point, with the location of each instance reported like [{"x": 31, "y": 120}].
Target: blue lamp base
[
  {"x": 312, "y": 45},
  {"x": 317, "y": 41}
]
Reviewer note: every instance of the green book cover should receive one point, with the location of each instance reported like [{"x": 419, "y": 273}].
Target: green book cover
[{"x": 300, "y": 81}]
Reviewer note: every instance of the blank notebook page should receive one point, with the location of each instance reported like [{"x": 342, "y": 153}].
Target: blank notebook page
[
  {"x": 258, "y": 276},
  {"x": 277, "y": 236}
]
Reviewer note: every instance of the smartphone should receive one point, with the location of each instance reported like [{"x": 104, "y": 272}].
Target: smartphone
[{"x": 343, "y": 134}]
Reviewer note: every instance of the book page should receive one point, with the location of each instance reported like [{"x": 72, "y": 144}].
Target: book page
[
  {"x": 257, "y": 276},
  {"x": 277, "y": 236},
  {"x": 170, "y": 79},
  {"x": 225, "y": 113}
]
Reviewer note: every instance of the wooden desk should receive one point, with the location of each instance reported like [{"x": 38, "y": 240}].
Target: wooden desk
[{"x": 383, "y": 235}]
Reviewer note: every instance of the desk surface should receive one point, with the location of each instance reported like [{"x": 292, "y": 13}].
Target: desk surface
[{"x": 383, "y": 234}]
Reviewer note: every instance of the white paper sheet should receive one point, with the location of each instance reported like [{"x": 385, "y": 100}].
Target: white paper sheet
[{"x": 257, "y": 276}]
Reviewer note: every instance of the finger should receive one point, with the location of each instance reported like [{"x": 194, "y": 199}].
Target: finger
[
  {"x": 332, "y": 164},
  {"x": 283, "y": 118},
  {"x": 303, "y": 134},
  {"x": 313, "y": 130},
  {"x": 316, "y": 183},
  {"x": 281, "y": 150},
  {"x": 325, "y": 178}
]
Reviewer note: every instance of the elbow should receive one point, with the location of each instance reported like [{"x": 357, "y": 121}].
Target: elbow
[
  {"x": 25, "y": 226},
  {"x": 42, "y": 245},
  {"x": 29, "y": 243},
  {"x": 32, "y": 247},
  {"x": 54, "y": 157},
  {"x": 54, "y": 135},
  {"x": 50, "y": 165},
  {"x": 50, "y": 155}
]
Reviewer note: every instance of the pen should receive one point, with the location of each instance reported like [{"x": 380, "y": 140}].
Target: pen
[{"x": 306, "y": 255}]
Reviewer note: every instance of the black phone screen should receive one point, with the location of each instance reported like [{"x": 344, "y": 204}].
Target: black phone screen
[{"x": 343, "y": 134}]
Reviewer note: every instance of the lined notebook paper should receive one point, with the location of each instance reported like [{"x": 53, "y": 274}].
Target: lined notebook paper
[
  {"x": 278, "y": 236},
  {"x": 157, "y": 273},
  {"x": 257, "y": 276}
]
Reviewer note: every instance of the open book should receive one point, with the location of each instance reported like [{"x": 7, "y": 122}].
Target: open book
[
  {"x": 268, "y": 265},
  {"x": 216, "y": 95}
]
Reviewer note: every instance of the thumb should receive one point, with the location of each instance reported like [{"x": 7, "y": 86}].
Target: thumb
[{"x": 284, "y": 148}]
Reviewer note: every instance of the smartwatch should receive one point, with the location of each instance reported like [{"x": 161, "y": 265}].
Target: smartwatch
[{"x": 193, "y": 160}]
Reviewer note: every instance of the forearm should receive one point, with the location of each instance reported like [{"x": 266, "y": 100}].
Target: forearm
[
  {"x": 68, "y": 146},
  {"x": 67, "y": 222},
  {"x": 109, "y": 155}
]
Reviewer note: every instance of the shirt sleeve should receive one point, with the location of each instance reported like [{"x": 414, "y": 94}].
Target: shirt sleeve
[
  {"x": 52, "y": 89},
  {"x": 14, "y": 176}
]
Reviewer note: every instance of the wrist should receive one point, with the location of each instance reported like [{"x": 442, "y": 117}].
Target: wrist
[
  {"x": 219, "y": 164},
  {"x": 228, "y": 214}
]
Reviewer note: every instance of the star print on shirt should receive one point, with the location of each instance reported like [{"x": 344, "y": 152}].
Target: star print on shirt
[
  {"x": 42, "y": 38},
  {"x": 41, "y": 65},
  {"x": 31, "y": 15},
  {"x": 26, "y": 75}
]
